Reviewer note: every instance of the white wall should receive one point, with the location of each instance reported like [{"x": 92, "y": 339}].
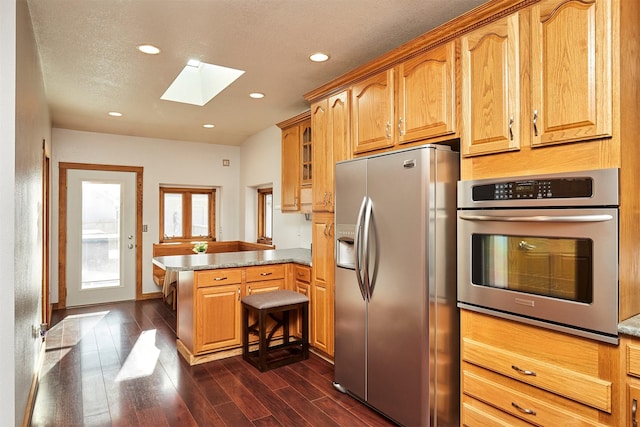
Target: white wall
[
  {"x": 261, "y": 166},
  {"x": 24, "y": 125},
  {"x": 7, "y": 215},
  {"x": 164, "y": 162}
]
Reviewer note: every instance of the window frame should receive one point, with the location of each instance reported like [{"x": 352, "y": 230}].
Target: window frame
[
  {"x": 262, "y": 193},
  {"x": 186, "y": 193}
]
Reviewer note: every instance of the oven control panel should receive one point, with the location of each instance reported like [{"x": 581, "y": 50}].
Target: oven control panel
[{"x": 565, "y": 188}]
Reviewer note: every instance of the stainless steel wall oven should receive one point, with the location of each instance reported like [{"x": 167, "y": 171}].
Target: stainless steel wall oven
[{"x": 543, "y": 250}]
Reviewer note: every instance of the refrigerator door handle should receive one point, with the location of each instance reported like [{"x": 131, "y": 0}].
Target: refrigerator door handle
[
  {"x": 367, "y": 255},
  {"x": 359, "y": 248}
]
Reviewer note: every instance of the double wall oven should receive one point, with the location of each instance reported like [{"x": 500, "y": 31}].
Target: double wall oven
[{"x": 543, "y": 250}]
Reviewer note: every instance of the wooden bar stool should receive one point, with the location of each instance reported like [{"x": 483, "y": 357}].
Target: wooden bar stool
[{"x": 269, "y": 304}]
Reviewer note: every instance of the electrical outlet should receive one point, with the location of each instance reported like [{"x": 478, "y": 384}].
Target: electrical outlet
[{"x": 145, "y": 228}]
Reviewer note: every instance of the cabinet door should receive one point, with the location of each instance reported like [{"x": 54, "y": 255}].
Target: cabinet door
[
  {"x": 427, "y": 95},
  {"x": 217, "y": 320},
  {"x": 339, "y": 127},
  {"x": 306, "y": 143},
  {"x": 491, "y": 88},
  {"x": 301, "y": 288},
  {"x": 322, "y": 305},
  {"x": 570, "y": 70},
  {"x": 372, "y": 113},
  {"x": 322, "y": 156},
  {"x": 290, "y": 169}
]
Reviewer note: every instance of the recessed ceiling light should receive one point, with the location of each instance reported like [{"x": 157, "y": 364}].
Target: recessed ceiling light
[
  {"x": 193, "y": 63},
  {"x": 256, "y": 95},
  {"x": 208, "y": 125},
  {"x": 148, "y": 49},
  {"x": 115, "y": 114},
  {"x": 319, "y": 57}
]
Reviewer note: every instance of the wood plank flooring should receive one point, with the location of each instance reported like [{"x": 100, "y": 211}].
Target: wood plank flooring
[{"x": 117, "y": 365}]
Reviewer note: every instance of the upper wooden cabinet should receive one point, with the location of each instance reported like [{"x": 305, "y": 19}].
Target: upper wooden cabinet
[
  {"x": 373, "y": 123},
  {"x": 426, "y": 102},
  {"x": 415, "y": 100},
  {"x": 564, "y": 48},
  {"x": 491, "y": 88},
  {"x": 330, "y": 124},
  {"x": 571, "y": 92},
  {"x": 296, "y": 160}
]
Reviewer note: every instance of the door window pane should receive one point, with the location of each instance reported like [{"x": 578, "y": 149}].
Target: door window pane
[
  {"x": 172, "y": 215},
  {"x": 100, "y": 235}
]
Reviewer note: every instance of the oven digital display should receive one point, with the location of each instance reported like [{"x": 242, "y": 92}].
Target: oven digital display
[{"x": 565, "y": 188}]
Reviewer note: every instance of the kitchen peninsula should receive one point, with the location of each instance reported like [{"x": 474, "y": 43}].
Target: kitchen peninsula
[{"x": 210, "y": 287}]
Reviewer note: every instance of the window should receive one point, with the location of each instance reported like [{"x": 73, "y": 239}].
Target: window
[
  {"x": 265, "y": 215},
  {"x": 187, "y": 214}
]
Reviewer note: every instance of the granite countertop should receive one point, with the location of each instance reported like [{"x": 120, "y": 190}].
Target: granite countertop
[
  {"x": 631, "y": 326},
  {"x": 233, "y": 259}
]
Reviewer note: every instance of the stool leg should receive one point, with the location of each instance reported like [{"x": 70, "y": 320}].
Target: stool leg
[
  {"x": 263, "y": 344},
  {"x": 285, "y": 327},
  {"x": 305, "y": 330},
  {"x": 245, "y": 332}
]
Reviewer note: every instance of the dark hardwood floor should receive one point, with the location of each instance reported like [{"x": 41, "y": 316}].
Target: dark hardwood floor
[{"x": 117, "y": 364}]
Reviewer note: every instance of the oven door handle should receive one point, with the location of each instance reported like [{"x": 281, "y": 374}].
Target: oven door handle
[{"x": 539, "y": 218}]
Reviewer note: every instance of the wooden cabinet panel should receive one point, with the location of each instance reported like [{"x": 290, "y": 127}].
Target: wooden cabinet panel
[
  {"x": 217, "y": 322},
  {"x": 301, "y": 285},
  {"x": 570, "y": 70},
  {"x": 427, "y": 95},
  {"x": 372, "y": 116},
  {"x": 491, "y": 88}
]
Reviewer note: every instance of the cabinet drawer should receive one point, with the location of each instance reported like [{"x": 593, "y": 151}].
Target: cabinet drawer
[
  {"x": 572, "y": 367},
  {"x": 633, "y": 360},
  {"x": 302, "y": 273},
  {"x": 535, "y": 408},
  {"x": 476, "y": 413},
  {"x": 583, "y": 388},
  {"x": 217, "y": 277},
  {"x": 265, "y": 272}
]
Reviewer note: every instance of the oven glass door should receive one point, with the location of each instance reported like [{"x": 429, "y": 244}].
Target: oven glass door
[
  {"x": 540, "y": 265},
  {"x": 553, "y": 265}
]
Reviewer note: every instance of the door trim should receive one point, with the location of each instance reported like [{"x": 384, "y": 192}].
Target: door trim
[{"x": 62, "y": 223}]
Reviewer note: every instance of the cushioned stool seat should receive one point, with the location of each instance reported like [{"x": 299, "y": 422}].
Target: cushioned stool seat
[{"x": 270, "y": 304}]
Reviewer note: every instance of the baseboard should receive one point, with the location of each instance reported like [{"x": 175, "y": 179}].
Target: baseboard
[{"x": 33, "y": 391}]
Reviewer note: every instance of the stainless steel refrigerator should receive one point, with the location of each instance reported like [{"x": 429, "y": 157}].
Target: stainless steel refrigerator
[{"x": 396, "y": 321}]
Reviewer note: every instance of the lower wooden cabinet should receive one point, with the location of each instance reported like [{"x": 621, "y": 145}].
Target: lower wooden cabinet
[
  {"x": 630, "y": 358},
  {"x": 302, "y": 285},
  {"x": 322, "y": 285},
  {"x": 219, "y": 306},
  {"x": 515, "y": 372}
]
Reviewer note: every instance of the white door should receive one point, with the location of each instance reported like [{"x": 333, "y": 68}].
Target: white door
[{"x": 101, "y": 225}]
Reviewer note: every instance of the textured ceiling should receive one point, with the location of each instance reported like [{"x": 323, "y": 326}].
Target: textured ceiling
[{"x": 91, "y": 65}]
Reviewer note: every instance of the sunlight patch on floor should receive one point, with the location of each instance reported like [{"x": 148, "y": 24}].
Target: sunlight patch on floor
[{"x": 142, "y": 359}]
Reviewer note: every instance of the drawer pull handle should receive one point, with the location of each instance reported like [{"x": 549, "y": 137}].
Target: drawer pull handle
[
  {"x": 217, "y": 279},
  {"x": 266, "y": 274},
  {"x": 522, "y": 371},
  {"x": 523, "y": 410}
]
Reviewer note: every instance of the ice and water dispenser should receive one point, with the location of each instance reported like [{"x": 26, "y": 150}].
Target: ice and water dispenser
[{"x": 345, "y": 247}]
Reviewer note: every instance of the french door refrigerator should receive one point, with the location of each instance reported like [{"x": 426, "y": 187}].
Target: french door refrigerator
[{"x": 396, "y": 321}]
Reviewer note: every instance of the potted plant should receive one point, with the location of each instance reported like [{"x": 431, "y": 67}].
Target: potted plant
[{"x": 200, "y": 247}]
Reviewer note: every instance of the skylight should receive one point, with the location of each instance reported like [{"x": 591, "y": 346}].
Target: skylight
[{"x": 199, "y": 82}]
